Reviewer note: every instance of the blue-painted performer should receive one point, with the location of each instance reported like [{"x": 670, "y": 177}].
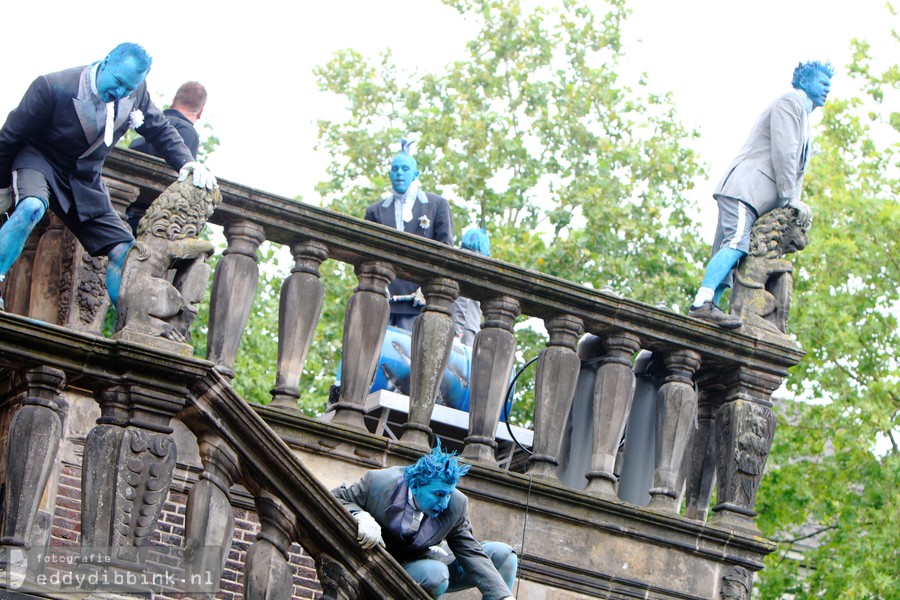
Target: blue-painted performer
[
  {"x": 466, "y": 312},
  {"x": 412, "y": 510},
  {"x": 53, "y": 146},
  {"x": 767, "y": 174},
  {"x": 407, "y": 208}
]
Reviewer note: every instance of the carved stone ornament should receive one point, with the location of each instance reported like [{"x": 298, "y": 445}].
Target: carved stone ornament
[
  {"x": 763, "y": 282},
  {"x": 166, "y": 271},
  {"x": 736, "y": 584}
]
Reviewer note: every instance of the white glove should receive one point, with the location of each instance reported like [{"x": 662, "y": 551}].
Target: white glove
[
  {"x": 5, "y": 199},
  {"x": 802, "y": 208},
  {"x": 202, "y": 176},
  {"x": 437, "y": 553},
  {"x": 419, "y": 298},
  {"x": 369, "y": 533}
]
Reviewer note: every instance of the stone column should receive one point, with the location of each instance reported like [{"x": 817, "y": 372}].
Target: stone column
[
  {"x": 432, "y": 340},
  {"x": 267, "y": 572},
  {"x": 701, "y": 465},
  {"x": 302, "y": 294},
  {"x": 676, "y": 415},
  {"x": 129, "y": 460},
  {"x": 493, "y": 354},
  {"x": 613, "y": 395},
  {"x": 745, "y": 428},
  {"x": 209, "y": 520},
  {"x": 233, "y": 290},
  {"x": 34, "y": 437},
  {"x": 366, "y": 320},
  {"x": 555, "y": 379}
]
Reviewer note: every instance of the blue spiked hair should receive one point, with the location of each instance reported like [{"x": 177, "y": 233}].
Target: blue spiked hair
[
  {"x": 477, "y": 240},
  {"x": 437, "y": 465},
  {"x": 808, "y": 69}
]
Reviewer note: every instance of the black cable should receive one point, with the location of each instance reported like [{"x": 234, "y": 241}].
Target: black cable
[{"x": 507, "y": 406}]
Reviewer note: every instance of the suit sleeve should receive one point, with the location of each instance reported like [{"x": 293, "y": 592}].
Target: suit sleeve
[
  {"x": 370, "y": 214},
  {"x": 33, "y": 112},
  {"x": 354, "y": 497},
  {"x": 472, "y": 558},
  {"x": 787, "y": 139},
  {"x": 161, "y": 134},
  {"x": 443, "y": 223}
]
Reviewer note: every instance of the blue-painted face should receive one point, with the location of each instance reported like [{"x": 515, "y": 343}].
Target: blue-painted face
[
  {"x": 403, "y": 172},
  {"x": 434, "y": 497},
  {"x": 816, "y": 87},
  {"x": 117, "y": 79}
]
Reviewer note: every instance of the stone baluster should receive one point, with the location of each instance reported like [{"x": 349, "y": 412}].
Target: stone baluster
[
  {"x": 745, "y": 427},
  {"x": 209, "y": 521},
  {"x": 129, "y": 460},
  {"x": 299, "y": 310},
  {"x": 613, "y": 395},
  {"x": 365, "y": 323},
  {"x": 233, "y": 290},
  {"x": 493, "y": 354},
  {"x": 268, "y": 573},
  {"x": 676, "y": 414},
  {"x": 555, "y": 379},
  {"x": 701, "y": 471},
  {"x": 34, "y": 436},
  {"x": 432, "y": 341}
]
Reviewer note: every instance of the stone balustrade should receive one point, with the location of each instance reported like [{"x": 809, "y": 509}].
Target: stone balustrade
[{"x": 713, "y": 423}]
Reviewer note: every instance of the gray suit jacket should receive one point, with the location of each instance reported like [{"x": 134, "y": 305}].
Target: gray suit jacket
[
  {"x": 769, "y": 168},
  {"x": 382, "y": 494}
]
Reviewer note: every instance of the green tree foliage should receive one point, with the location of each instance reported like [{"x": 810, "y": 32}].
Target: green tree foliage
[
  {"x": 534, "y": 137},
  {"x": 835, "y": 464}
]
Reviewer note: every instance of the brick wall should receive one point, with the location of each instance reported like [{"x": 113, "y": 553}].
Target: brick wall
[{"x": 66, "y": 531}]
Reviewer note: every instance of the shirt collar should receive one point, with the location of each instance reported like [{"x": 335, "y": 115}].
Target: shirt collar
[
  {"x": 807, "y": 103},
  {"x": 93, "y": 78}
]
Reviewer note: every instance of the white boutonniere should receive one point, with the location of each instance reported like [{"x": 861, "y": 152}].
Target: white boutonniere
[
  {"x": 424, "y": 222},
  {"x": 136, "y": 118}
]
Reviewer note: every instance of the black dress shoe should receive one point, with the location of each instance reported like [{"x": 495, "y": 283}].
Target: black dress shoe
[{"x": 708, "y": 311}]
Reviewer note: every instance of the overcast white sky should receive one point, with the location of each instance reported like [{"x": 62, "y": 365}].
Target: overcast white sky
[{"x": 724, "y": 60}]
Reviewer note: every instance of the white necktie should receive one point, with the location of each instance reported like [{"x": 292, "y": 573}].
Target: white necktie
[{"x": 110, "y": 123}]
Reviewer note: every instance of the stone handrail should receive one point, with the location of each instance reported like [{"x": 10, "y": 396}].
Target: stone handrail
[
  {"x": 713, "y": 417},
  {"x": 709, "y": 372},
  {"x": 140, "y": 390}
]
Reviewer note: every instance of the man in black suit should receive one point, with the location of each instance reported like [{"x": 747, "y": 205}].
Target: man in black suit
[
  {"x": 409, "y": 209},
  {"x": 54, "y": 144}
]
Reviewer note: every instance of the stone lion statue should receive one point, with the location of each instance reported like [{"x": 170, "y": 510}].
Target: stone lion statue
[
  {"x": 763, "y": 280},
  {"x": 167, "y": 270}
]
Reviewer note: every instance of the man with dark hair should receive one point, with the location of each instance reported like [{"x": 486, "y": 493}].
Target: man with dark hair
[
  {"x": 412, "y": 510},
  {"x": 54, "y": 144},
  {"x": 767, "y": 174},
  {"x": 409, "y": 209},
  {"x": 186, "y": 109}
]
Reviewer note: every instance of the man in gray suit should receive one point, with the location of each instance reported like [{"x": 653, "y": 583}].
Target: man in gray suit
[
  {"x": 412, "y": 510},
  {"x": 407, "y": 208},
  {"x": 767, "y": 174}
]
